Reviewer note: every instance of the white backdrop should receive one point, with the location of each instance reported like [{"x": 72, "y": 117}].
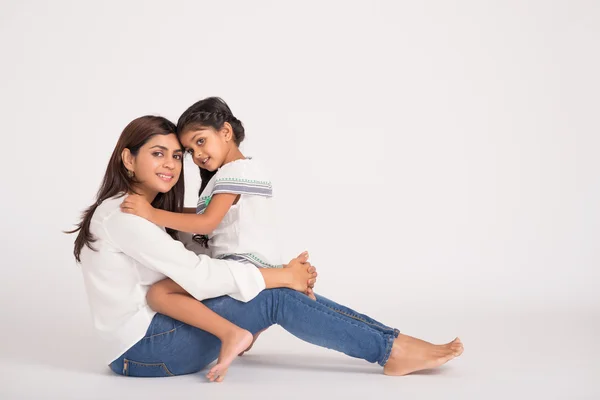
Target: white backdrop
[{"x": 430, "y": 155}]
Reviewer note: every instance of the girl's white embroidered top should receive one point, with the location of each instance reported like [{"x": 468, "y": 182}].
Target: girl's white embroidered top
[{"x": 248, "y": 232}]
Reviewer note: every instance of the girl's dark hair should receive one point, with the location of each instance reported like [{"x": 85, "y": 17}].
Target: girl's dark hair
[
  {"x": 116, "y": 180},
  {"x": 210, "y": 112}
]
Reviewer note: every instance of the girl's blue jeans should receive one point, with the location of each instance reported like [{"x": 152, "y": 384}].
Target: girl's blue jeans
[{"x": 172, "y": 348}]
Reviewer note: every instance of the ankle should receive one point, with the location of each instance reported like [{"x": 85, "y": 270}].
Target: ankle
[{"x": 229, "y": 333}]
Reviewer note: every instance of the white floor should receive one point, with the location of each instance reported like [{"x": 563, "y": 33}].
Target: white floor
[{"x": 521, "y": 354}]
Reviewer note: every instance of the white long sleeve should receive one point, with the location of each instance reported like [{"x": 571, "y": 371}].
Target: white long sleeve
[
  {"x": 131, "y": 255},
  {"x": 199, "y": 275}
]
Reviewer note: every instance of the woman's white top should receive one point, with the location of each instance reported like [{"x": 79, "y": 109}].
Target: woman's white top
[
  {"x": 132, "y": 254},
  {"x": 248, "y": 230}
]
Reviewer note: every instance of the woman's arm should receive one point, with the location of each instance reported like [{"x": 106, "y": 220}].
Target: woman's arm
[
  {"x": 199, "y": 275},
  {"x": 197, "y": 223}
]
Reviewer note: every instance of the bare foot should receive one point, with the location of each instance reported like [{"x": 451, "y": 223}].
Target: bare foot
[
  {"x": 231, "y": 345},
  {"x": 410, "y": 354},
  {"x": 253, "y": 340}
]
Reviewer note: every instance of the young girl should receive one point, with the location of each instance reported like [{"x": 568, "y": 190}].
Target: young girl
[{"x": 235, "y": 214}]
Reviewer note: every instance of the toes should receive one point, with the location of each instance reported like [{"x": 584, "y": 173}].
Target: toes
[
  {"x": 214, "y": 373},
  {"x": 458, "y": 350},
  {"x": 444, "y": 360},
  {"x": 453, "y": 345},
  {"x": 221, "y": 377},
  {"x": 457, "y": 347}
]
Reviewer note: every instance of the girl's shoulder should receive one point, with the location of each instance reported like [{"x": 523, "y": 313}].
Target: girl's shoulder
[
  {"x": 245, "y": 176},
  {"x": 246, "y": 169}
]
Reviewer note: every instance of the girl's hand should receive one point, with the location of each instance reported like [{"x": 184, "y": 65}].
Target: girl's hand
[
  {"x": 303, "y": 276},
  {"x": 137, "y": 205}
]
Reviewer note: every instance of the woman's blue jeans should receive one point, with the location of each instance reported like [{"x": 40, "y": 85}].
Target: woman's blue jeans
[{"x": 171, "y": 347}]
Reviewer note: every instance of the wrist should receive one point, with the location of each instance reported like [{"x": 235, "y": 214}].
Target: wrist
[{"x": 152, "y": 215}]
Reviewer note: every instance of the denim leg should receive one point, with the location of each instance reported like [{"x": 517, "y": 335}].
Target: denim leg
[
  {"x": 169, "y": 348},
  {"x": 173, "y": 348},
  {"x": 353, "y": 314},
  {"x": 310, "y": 321}
]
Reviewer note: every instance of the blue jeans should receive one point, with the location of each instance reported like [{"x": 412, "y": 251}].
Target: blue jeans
[{"x": 171, "y": 347}]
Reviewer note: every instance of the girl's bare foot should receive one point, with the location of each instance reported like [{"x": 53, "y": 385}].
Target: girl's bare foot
[
  {"x": 410, "y": 355},
  {"x": 231, "y": 345},
  {"x": 253, "y": 340}
]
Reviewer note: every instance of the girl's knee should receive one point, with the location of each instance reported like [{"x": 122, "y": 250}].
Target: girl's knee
[{"x": 158, "y": 291}]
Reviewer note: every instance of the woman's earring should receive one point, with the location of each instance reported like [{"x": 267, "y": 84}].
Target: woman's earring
[{"x": 130, "y": 173}]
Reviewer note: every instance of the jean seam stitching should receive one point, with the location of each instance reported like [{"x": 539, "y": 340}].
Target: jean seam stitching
[
  {"x": 354, "y": 316},
  {"x": 388, "y": 350},
  {"x": 167, "y": 369},
  {"x": 390, "y": 339},
  {"x": 157, "y": 364},
  {"x": 163, "y": 333},
  {"x": 359, "y": 319},
  {"x": 366, "y": 328}
]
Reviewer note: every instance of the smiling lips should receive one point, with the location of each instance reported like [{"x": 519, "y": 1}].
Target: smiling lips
[
  {"x": 165, "y": 177},
  {"x": 205, "y": 160}
]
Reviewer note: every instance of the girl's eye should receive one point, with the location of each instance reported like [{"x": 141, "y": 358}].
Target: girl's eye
[
  {"x": 200, "y": 142},
  {"x": 190, "y": 152}
]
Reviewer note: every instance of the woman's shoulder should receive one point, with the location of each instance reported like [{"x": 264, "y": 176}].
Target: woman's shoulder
[
  {"x": 109, "y": 208},
  {"x": 119, "y": 227}
]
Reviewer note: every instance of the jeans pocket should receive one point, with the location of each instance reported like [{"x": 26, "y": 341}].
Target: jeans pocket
[{"x": 145, "y": 370}]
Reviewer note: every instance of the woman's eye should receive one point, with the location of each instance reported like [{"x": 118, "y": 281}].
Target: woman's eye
[
  {"x": 177, "y": 157},
  {"x": 157, "y": 154}
]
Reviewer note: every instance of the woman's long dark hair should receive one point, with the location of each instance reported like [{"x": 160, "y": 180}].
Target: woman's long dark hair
[
  {"x": 210, "y": 112},
  {"x": 116, "y": 180}
]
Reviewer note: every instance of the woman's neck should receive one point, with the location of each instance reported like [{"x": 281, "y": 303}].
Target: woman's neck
[{"x": 148, "y": 194}]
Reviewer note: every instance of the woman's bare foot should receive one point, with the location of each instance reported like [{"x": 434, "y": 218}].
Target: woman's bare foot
[
  {"x": 231, "y": 345},
  {"x": 253, "y": 340},
  {"x": 410, "y": 354}
]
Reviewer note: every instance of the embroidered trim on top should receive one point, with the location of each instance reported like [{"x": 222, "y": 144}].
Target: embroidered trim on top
[
  {"x": 250, "y": 258},
  {"x": 228, "y": 186},
  {"x": 236, "y": 186},
  {"x": 202, "y": 204}
]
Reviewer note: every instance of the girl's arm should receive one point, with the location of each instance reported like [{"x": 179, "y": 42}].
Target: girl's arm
[{"x": 192, "y": 223}]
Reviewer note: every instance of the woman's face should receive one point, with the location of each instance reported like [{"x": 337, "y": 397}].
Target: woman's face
[{"x": 158, "y": 164}]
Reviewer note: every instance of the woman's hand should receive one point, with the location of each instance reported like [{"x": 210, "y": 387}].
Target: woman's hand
[
  {"x": 137, "y": 205},
  {"x": 303, "y": 276}
]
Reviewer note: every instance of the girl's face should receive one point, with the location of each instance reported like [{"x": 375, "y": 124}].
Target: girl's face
[
  {"x": 209, "y": 148},
  {"x": 157, "y": 165}
]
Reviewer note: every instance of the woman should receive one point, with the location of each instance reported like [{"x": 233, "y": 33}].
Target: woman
[{"x": 122, "y": 255}]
